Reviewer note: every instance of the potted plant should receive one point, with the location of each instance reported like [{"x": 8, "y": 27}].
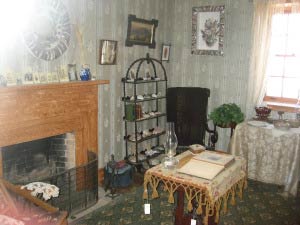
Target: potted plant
[{"x": 227, "y": 115}]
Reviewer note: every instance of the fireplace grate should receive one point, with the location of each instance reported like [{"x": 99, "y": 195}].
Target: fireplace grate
[{"x": 78, "y": 187}]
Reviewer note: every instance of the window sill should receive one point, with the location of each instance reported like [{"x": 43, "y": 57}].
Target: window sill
[{"x": 284, "y": 107}]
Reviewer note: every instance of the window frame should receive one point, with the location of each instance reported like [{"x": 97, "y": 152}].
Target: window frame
[{"x": 282, "y": 103}]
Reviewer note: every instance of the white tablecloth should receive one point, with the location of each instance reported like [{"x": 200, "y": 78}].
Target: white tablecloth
[{"x": 273, "y": 156}]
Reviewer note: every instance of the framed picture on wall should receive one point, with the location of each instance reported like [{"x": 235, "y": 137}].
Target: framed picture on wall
[
  {"x": 28, "y": 78},
  {"x": 165, "y": 52},
  {"x": 3, "y": 81},
  {"x": 62, "y": 73},
  {"x": 72, "y": 72},
  {"x": 141, "y": 32},
  {"x": 108, "y": 52},
  {"x": 36, "y": 77},
  {"x": 52, "y": 77},
  {"x": 43, "y": 77},
  {"x": 11, "y": 79},
  {"x": 208, "y": 30}
]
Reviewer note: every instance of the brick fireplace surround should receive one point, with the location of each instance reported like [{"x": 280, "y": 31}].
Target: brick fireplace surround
[{"x": 33, "y": 112}]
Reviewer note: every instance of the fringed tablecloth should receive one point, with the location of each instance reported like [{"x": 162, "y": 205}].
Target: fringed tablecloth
[{"x": 209, "y": 194}]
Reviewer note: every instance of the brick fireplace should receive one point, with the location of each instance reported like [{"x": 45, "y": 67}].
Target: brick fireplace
[
  {"x": 35, "y": 112},
  {"x": 38, "y": 159}
]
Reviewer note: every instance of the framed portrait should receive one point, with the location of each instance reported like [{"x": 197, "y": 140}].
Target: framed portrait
[
  {"x": 52, "y": 77},
  {"x": 43, "y": 77},
  {"x": 208, "y": 30},
  {"x": 28, "y": 78},
  {"x": 62, "y": 74},
  {"x": 36, "y": 77},
  {"x": 72, "y": 72},
  {"x": 11, "y": 79},
  {"x": 141, "y": 32},
  {"x": 108, "y": 52},
  {"x": 165, "y": 52},
  {"x": 3, "y": 81}
]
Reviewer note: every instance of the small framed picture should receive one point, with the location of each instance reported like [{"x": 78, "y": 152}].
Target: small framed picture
[
  {"x": 36, "y": 78},
  {"x": 72, "y": 73},
  {"x": 3, "y": 81},
  {"x": 52, "y": 77},
  {"x": 43, "y": 77},
  {"x": 165, "y": 52},
  {"x": 108, "y": 52},
  {"x": 28, "y": 78},
  {"x": 62, "y": 74}
]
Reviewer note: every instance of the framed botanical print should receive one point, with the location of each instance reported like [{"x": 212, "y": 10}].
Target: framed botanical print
[{"x": 208, "y": 30}]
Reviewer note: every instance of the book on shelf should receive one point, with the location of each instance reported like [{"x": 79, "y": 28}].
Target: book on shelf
[{"x": 206, "y": 165}]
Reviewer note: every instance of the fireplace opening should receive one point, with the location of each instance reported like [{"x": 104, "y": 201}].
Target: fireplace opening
[
  {"x": 52, "y": 160},
  {"x": 34, "y": 160}
]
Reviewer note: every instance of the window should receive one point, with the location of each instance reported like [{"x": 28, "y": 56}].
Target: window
[{"x": 283, "y": 69}]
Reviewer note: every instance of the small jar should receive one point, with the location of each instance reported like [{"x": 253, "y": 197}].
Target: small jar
[{"x": 85, "y": 73}]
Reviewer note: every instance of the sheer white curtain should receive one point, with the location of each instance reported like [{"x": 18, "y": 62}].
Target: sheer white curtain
[{"x": 261, "y": 36}]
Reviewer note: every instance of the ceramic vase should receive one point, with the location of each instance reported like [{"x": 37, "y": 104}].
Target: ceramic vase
[{"x": 85, "y": 73}]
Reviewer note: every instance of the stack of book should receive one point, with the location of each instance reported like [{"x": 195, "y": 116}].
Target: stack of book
[
  {"x": 133, "y": 112},
  {"x": 207, "y": 164}
]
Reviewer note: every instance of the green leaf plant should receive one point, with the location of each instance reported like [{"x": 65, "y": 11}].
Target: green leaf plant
[{"x": 227, "y": 115}]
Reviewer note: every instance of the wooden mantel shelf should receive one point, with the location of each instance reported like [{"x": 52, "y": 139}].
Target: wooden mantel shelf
[{"x": 54, "y": 85}]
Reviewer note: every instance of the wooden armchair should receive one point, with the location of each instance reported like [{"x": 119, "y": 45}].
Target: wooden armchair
[{"x": 187, "y": 108}]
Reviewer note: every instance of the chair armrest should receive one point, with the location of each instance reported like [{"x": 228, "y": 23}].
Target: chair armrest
[{"x": 213, "y": 137}]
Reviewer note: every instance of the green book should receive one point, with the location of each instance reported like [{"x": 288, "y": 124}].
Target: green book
[{"x": 130, "y": 112}]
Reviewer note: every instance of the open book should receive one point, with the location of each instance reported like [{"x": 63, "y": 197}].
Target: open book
[
  {"x": 206, "y": 165},
  {"x": 216, "y": 158}
]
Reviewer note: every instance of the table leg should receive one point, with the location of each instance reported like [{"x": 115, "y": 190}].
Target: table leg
[{"x": 182, "y": 218}]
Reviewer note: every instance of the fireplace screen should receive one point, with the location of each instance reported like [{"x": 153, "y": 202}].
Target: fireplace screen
[
  {"x": 52, "y": 160},
  {"x": 78, "y": 186}
]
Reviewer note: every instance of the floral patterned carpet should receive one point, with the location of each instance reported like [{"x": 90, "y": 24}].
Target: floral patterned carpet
[{"x": 262, "y": 204}]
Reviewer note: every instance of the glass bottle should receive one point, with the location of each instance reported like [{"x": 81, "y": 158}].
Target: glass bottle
[{"x": 171, "y": 143}]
